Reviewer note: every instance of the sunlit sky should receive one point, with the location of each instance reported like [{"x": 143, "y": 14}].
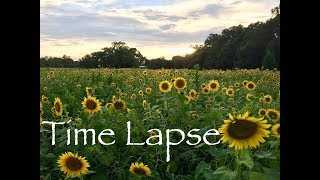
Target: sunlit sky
[{"x": 155, "y": 27}]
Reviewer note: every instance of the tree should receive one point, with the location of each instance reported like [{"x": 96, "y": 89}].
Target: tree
[{"x": 269, "y": 61}]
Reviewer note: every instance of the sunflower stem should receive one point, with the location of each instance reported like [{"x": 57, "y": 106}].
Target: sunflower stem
[
  {"x": 238, "y": 154},
  {"x": 81, "y": 177}
]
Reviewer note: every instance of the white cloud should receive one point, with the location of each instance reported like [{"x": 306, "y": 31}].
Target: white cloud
[{"x": 78, "y": 27}]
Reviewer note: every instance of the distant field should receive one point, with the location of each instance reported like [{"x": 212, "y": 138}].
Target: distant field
[{"x": 164, "y": 99}]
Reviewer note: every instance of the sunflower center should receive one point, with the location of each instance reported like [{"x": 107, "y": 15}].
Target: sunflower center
[
  {"x": 273, "y": 115},
  {"x": 164, "y": 86},
  {"x": 180, "y": 83},
  {"x": 91, "y": 104},
  {"x": 278, "y": 130},
  {"x": 267, "y": 99},
  {"x": 57, "y": 107},
  {"x": 118, "y": 105},
  {"x": 242, "y": 129},
  {"x": 229, "y": 92},
  {"x": 250, "y": 86},
  {"x": 192, "y": 94},
  {"x": 206, "y": 90},
  {"x": 73, "y": 164},
  {"x": 213, "y": 85},
  {"x": 245, "y": 83},
  {"x": 262, "y": 112},
  {"x": 139, "y": 171}
]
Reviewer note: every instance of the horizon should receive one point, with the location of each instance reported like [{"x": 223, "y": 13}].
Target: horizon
[{"x": 157, "y": 29}]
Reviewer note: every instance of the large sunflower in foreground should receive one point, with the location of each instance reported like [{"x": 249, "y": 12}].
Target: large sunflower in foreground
[
  {"x": 276, "y": 130},
  {"x": 243, "y": 131},
  {"x": 140, "y": 169},
  {"x": 180, "y": 83},
  {"x": 214, "y": 85},
  {"x": 57, "y": 108},
  {"x": 72, "y": 164},
  {"x": 91, "y": 105},
  {"x": 165, "y": 86}
]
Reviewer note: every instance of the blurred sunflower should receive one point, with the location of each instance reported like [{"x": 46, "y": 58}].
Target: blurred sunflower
[
  {"x": 148, "y": 90},
  {"x": 214, "y": 85},
  {"x": 180, "y": 83},
  {"x": 249, "y": 97},
  {"x": 193, "y": 94},
  {"x": 273, "y": 115},
  {"x": 276, "y": 130},
  {"x": 244, "y": 83},
  {"x": 89, "y": 91},
  {"x": 91, "y": 105},
  {"x": 44, "y": 99},
  {"x": 57, "y": 108},
  {"x": 140, "y": 169},
  {"x": 267, "y": 99},
  {"x": 118, "y": 105},
  {"x": 262, "y": 112},
  {"x": 205, "y": 90},
  {"x": 230, "y": 92},
  {"x": 133, "y": 96},
  {"x": 144, "y": 104},
  {"x": 251, "y": 86},
  {"x": 72, "y": 164},
  {"x": 243, "y": 131}
]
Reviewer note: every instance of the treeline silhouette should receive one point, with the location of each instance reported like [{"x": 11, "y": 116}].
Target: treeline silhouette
[{"x": 248, "y": 47}]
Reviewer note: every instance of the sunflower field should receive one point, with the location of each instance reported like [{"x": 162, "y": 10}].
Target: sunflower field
[{"x": 242, "y": 105}]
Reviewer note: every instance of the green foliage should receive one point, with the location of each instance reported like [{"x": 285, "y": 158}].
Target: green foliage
[{"x": 269, "y": 61}]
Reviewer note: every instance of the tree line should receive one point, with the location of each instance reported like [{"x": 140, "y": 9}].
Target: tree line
[{"x": 249, "y": 47}]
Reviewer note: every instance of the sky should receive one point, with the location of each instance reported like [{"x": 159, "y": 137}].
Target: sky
[{"x": 155, "y": 27}]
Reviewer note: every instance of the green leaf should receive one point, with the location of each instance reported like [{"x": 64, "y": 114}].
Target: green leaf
[
  {"x": 223, "y": 173},
  {"x": 203, "y": 170},
  {"x": 245, "y": 158},
  {"x": 265, "y": 154},
  {"x": 257, "y": 176}
]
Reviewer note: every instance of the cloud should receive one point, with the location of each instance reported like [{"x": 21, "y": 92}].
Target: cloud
[{"x": 78, "y": 27}]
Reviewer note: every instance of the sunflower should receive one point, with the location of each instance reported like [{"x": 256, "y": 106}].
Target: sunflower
[
  {"x": 44, "y": 99},
  {"x": 273, "y": 115},
  {"x": 133, "y": 96},
  {"x": 91, "y": 105},
  {"x": 267, "y": 99},
  {"x": 224, "y": 89},
  {"x": 236, "y": 84},
  {"x": 140, "y": 92},
  {"x": 118, "y": 90},
  {"x": 231, "y": 100},
  {"x": 152, "y": 133},
  {"x": 108, "y": 105},
  {"x": 144, "y": 72},
  {"x": 180, "y": 83},
  {"x": 123, "y": 95},
  {"x": 148, "y": 90},
  {"x": 57, "y": 108},
  {"x": 249, "y": 97},
  {"x": 113, "y": 84},
  {"x": 276, "y": 130},
  {"x": 244, "y": 131},
  {"x": 193, "y": 94},
  {"x": 165, "y": 86},
  {"x": 144, "y": 104},
  {"x": 187, "y": 99},
  {"x": 230, "y": 92},
  {"x": 72, "y": 164},
  {"x": 208, "y": 106},
  {"x": 262, "y": 112},
  {"x": 195, "y": 116},
  {"x": 203, "y": 85},
  {"x": 205, "y": 90},
  {"x": 214, "y": 85},
  {"x": 251, "y": 86},
  {"x": 140, "y": 169},
  {"x": 78, "y": 86},
  {"x": 89, "y": 91},
  {"x": 118, "y": 105},
  {"x": 41, "y": 108}
]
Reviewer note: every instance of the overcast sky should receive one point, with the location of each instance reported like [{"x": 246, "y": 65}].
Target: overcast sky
[{"x": 155, "y": 27}]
